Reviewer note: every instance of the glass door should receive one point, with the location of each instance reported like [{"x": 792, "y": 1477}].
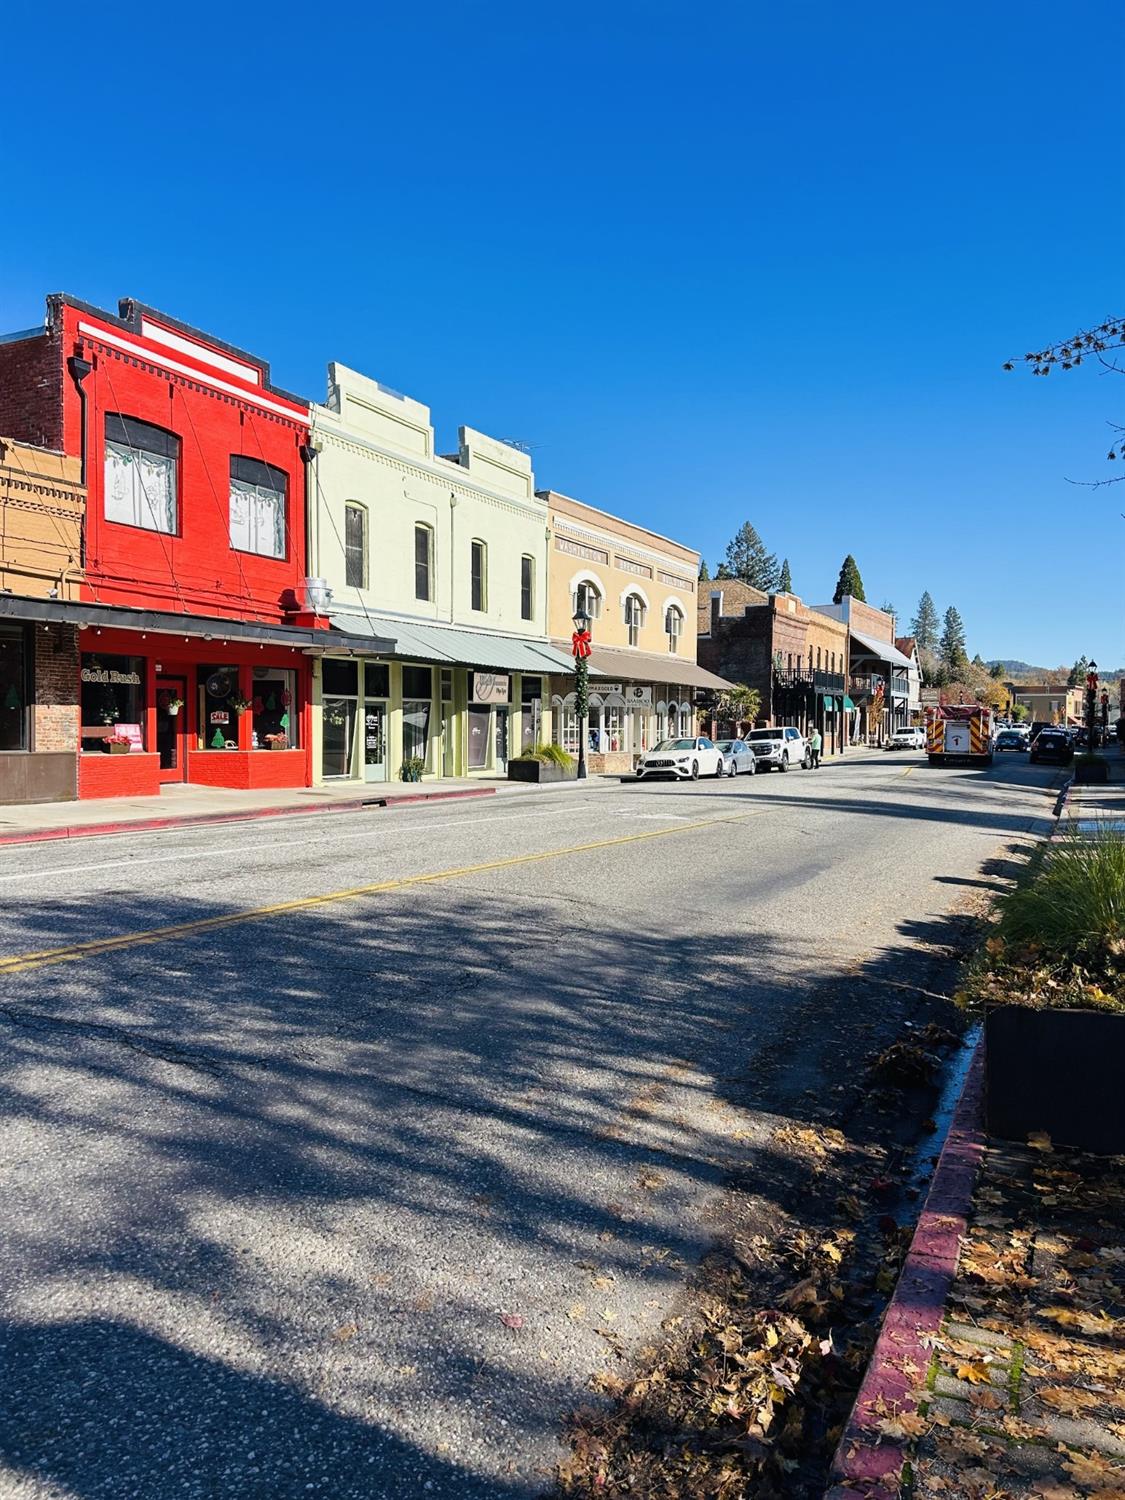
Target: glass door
[
  {"x": 171, "y": 727},
  {"x": 339, "y": 736},
  {"x": 374, "y": 740},
  {"x": 502, "y": 740}
]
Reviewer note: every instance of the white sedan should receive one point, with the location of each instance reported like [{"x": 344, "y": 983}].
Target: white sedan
[{"x": 688, "y": 759}]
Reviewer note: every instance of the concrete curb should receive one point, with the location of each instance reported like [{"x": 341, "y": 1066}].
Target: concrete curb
[
  {"x": 248, "y": 815},
  {"x": 865, "y": 1463}
]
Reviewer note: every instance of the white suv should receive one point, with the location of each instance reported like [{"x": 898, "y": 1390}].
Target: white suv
[{"x": 782, "y": 747}]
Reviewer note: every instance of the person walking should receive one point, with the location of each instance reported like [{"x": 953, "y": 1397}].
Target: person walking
[{"x": 815, "y": 743}]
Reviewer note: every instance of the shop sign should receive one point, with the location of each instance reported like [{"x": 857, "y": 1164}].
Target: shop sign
[
  {"x": 219, "y": 716},
  {"x": 131, "y": 732},
  {"x": 111, "y": 679},
  {"x": 638, "y": 695},
  {"x": 607, "y": 687},
  {"x": 490, "y": 687}
]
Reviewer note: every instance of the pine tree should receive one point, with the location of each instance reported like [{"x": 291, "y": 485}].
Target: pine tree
[
  {"x": 952, "y": 644},
  {"x": 748, "y": 559},
  {"x": 704, "y": 572},
  {"x": 996, "y": 671},
  {"x": 849, "y": 582},
  {"x": 888, "y": 609},
  {"x": 722, "y": 571},
  {"x": 785, "y": 581},
  {"x": 924, "y": 626},
  {"x": 1077, "y": 677}
]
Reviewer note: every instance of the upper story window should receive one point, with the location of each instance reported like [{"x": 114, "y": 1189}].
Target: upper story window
[
  {"x": 479, "y": 575},
  {"x": 355, "y": 546},
  {"x": 588, "y": 599},
  {"x": 141, "y": 480},
  {"x": 527, "y": 588},
  {"x": 423, "y": 562},
  {"x": 674, "y": 627},
  {"x": 257, "y": 507},
  {"x": 634, "y": 617}
]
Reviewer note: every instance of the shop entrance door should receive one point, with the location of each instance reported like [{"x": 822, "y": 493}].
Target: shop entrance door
[
  {"x": 502, "y": 740},
  {"x": 374, "y": 740},
  {"x": 171, "y": 727}
]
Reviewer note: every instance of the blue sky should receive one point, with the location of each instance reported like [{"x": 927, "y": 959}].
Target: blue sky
[{"x": 713, "y": 263}]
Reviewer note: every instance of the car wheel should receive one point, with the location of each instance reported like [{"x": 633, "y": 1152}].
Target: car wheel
[
  {"x": 720, "y": 768},
  {"x": 695, "y": 770},
  {"x": 806, "y": 764},
  {"x": 753, "y": 766},
  {"x": 733, "y": 767},
  {"x": 784, "y": 763}
]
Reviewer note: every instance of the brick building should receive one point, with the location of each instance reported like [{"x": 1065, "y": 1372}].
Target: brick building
[
  {"x": 197, "y": 624},
  {"x": 42, "y": 504},
  {"x": 879, "y": 674},
  {"x": 795, "y": 656}
]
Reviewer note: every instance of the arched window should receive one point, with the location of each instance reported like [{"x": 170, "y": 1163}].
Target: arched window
[
  {"x": 588, "y": 597},
  {"x": 634, "y": 617},
  {"x": 423, "y": 562},
  {"x": 355, "y": 545},
  {"x": 674, "y": 627}
]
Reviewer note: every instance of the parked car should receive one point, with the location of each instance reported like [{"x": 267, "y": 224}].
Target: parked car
[
  {"x": 737, "y": 757},
  {"x": 686, "y": 759},
  {"x": 1053, "y": 744},
  {"x": 1011, "y": 739},
  {"x": 779, "y": 748},
  {"x": 909, "y": 737}
]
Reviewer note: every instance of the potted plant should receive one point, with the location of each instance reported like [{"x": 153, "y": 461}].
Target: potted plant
[
  {"x": 239, "y": 704},
  {"x": 542, "y": 763},
  {"x": 412, "y": 768},
  {"x": 173, "y": 705},
  {"x": 278, "y": 741},
  {"x": 117, "y": 744}
]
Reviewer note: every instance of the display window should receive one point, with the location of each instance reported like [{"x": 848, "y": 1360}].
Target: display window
[
  {"x": 13, "y": 687},
  {"x": 113, "y": 701},
  {"x": 221, "y": 706},
  {"x": 276, "y": 724}
]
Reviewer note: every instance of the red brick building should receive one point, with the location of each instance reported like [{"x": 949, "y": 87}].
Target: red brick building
[{"x": 196, "y": 625}]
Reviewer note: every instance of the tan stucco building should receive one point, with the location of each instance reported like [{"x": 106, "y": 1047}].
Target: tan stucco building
[{"x": 639, "y": 589}]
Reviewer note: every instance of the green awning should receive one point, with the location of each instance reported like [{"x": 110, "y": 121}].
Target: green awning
[
  {"x": 848, "y": 702},
  {"x": 829, "y": 703}
]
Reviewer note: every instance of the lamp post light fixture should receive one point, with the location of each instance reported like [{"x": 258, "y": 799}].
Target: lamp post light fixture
[{"x": 580, "y": 642}]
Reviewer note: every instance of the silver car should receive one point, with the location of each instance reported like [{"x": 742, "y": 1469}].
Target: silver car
[{"x": 737, "y": 757}]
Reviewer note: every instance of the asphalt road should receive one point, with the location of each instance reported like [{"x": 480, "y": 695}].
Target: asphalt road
[{"x": 352, "y": 1197}]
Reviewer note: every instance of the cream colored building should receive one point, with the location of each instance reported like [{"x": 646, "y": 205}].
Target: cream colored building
[
  {"x": 639, "y": 589},
  {"x": 446, "y": 554}
]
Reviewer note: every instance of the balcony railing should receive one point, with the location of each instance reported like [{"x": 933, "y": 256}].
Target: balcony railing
[
  {"x": 806, "y": 680},
  {"x": 864, "y": 685},
  {"x": 900, "y": 687}
]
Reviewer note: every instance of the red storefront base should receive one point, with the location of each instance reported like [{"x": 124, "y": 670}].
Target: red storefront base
[{"x": 146, "y": 671}]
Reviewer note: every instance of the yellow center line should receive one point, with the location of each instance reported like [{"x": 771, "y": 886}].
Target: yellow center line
[{"x": 22, "y": 962}]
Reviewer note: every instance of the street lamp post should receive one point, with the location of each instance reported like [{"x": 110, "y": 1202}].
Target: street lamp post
[
  {"x": 580, "y": 642},
  {"x": 1091, "y": 714}
]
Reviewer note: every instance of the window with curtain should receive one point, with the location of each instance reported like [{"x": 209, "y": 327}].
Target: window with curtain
[
  {"x": 423, "y": 562},
  {"x": 674, "y": 627},
  {"x": 257, "y": 507},
  {"x": 355, "y": 546},
  {"x": 634, "y": 617},
  {"x": 141, "y": 486},
  {"x": 479, "y": 575},
  {"x": 527, "y": 588}
]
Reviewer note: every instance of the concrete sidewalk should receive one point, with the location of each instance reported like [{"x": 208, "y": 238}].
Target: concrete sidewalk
[{"x": 183, "y": 805}]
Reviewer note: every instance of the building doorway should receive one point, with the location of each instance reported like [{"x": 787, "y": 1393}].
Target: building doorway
[
  {"x": 338, "y": 736},
  {"x": 502, "y": 740},
  {"x": 171, "y": 727},
  {"x": 374, "y": 740}
]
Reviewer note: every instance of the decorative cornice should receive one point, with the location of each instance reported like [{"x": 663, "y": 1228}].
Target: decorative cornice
[{"x": 567, "y": 524}]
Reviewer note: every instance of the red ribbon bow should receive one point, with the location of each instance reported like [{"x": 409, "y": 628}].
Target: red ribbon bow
[{"x": 580, "y": 642}]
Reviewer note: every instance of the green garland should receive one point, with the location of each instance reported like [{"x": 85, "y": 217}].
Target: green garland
[{"x": 581, "y": 688}]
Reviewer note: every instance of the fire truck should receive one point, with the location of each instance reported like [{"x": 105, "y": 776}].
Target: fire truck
[{"x": 959, "y": 734}]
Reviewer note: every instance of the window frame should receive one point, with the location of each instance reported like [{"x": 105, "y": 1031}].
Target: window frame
[
  {"x": 422, "y": 529},
  {"x": 132, "y": 441},
  {"x": 633, "y": 610},
  {"x": 25, "y": 641},
  {"x": 527, "y": 587},
  {"x": 478, "y": 581},
  {"x": 589, "y": 597},
  {"x": 673, "y": 612},
  {"x": 355, "y": 507}
]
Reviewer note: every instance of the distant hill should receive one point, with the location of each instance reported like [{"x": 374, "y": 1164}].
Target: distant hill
[{"x": 1025, "y": 670}]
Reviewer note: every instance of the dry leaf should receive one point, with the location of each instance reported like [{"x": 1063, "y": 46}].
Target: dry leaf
[{"x": 1039, "y": 1140}]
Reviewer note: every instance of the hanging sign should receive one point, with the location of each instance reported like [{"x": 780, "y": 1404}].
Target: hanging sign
[
  {"x": 490, "y": 687},
  {"x": 637, "y": 695}
]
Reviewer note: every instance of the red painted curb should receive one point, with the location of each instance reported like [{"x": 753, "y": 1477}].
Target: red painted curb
[
  {"x": 865, "y": 1463},
  {"x": 250, "y": 815}
]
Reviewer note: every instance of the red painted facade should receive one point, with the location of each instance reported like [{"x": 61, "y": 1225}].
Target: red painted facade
[{"x": 212, "y": 404}]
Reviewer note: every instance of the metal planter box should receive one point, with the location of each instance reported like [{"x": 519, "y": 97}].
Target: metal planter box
[
  {"x": 538, "y": 771},
  {"x": 1059, "y": 1071}
]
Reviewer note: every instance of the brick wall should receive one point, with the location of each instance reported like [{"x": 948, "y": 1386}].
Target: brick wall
[
  {"x": 872, "y": 621},
  {"x": 734, "y": 597},
  {"x": 54, "y": 713},
  {"x": 31, "y": 394}
]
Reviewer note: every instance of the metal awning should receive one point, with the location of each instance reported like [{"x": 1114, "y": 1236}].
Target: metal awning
[
  {"x": 198, "y": 627},
  {"x": 883, "y": 650},
  {"x": 418, "y": 640},
  {"x": 620, "y": 664},
  {"x": 848, "y": 702}
]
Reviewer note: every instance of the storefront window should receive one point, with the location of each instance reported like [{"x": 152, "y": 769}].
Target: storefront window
[
  {"x": 219, "y": 707},
  {"x": 13, "y": 688},
  {"x": 113, "y": 699},
  {"x": 531, "y": 711},
  {"x": 274, "y": 706},
  {"x": 479, "y": 717},
  {"x": 566, "y": 725},
  {"x": 415, "y": 728}
]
